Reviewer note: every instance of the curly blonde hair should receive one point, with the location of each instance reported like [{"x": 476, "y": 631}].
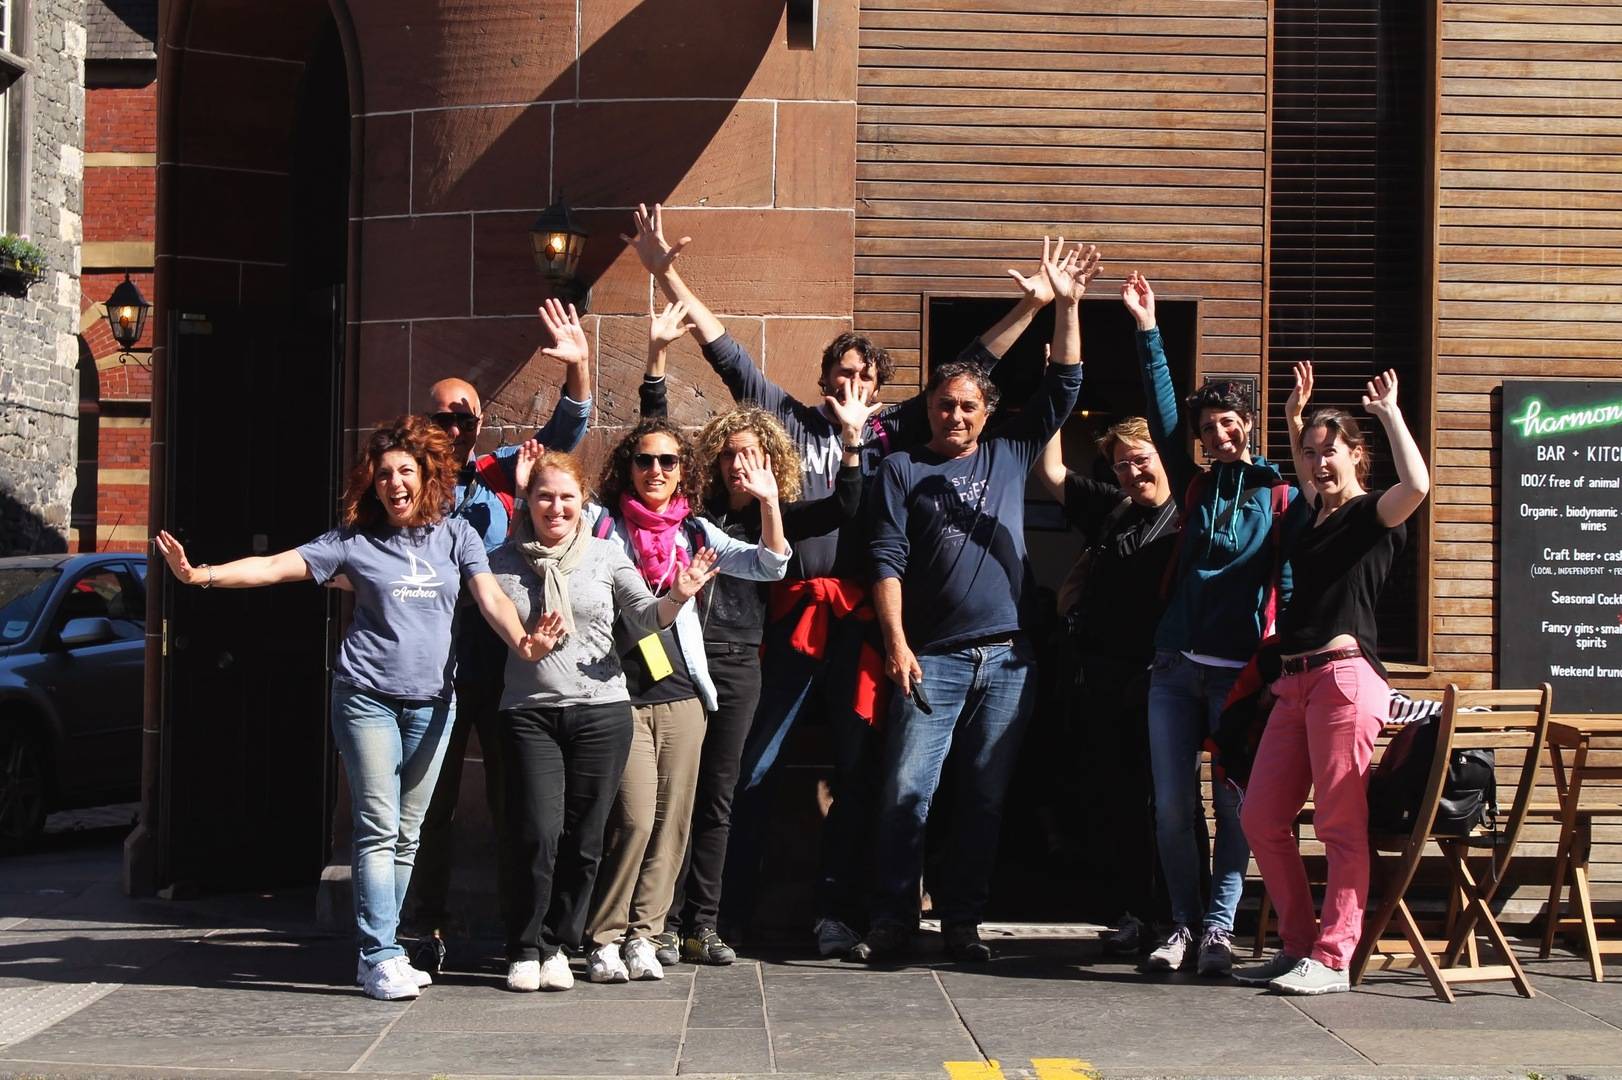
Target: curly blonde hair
[{"x": 774, "y": 443}]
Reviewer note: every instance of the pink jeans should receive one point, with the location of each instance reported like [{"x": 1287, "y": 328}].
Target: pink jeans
[{"x": 1319, "y": 738}]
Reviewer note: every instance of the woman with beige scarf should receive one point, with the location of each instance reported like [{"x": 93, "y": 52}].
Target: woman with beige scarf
[{"x": 567, "y": 717}]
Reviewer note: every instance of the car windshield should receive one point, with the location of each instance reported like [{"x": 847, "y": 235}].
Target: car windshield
[{"x": 23, "y": 592}]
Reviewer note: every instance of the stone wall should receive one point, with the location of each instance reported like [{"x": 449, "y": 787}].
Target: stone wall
[{"x": 39, "y": 348}]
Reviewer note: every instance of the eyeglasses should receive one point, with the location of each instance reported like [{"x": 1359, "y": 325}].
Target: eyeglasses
[
  {"x": 463, "y": 420},
  {"x": 645, "y": 461},
  {"x": 1134, "y": 463}
]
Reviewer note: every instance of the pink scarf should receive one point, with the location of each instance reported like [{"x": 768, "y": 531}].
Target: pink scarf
[{"x": 653, "y": 538}]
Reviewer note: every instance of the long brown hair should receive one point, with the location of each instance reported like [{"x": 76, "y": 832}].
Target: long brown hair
[
  {"x": 430, "y": 446},
  {"x": 616, "y": 478}
]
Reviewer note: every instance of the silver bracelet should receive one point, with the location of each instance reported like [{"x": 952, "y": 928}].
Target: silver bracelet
[{"x": 210, "y": 582}]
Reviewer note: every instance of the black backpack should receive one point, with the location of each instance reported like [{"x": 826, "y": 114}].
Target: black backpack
[{"x": 1469, "y": 793}]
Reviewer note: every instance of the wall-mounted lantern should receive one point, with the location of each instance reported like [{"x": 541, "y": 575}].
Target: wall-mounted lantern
[
  {"x": 126, "y": 314},
  {"x": 557, "y": 241}
]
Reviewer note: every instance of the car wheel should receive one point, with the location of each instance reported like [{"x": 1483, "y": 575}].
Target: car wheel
[{"x": 22, "y": 786}]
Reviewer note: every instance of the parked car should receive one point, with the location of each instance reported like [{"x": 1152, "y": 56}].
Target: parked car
[{"x": 72, "y": 641}]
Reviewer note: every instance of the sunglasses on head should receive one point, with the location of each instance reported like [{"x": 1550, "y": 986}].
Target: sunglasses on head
[
  {"x": 463, "y": 420},
  {"x": 666, "y": 461}
]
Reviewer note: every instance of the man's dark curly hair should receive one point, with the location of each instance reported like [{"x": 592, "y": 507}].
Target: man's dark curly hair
[
  {"x": 616, "y": 478},
  {"x": 1220, "y": 395},
  {"x": 965, "y": 369},
  {"x": 873, "y": 356}
]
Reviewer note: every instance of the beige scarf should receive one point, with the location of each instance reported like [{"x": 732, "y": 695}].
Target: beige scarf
[{"x": 554, "y": 565}]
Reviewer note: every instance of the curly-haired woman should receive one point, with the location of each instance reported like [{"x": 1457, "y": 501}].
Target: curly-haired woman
[
  {"x": 733, "y": 611},
  {"x": 392, "y": 705},
  {"x": 647, "y": 491}
]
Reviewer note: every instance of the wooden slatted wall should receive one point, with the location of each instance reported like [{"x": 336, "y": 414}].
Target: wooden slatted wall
[
  {"x": 1139, "y": 125},
  {"x": 1530, "y": 276}
]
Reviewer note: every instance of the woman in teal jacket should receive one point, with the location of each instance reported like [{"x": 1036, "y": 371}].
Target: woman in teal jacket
[{"x": 1226, "y": 584}]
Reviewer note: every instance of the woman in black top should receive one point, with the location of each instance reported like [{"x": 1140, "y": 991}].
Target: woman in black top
[{"x": 1332, "y": 697}]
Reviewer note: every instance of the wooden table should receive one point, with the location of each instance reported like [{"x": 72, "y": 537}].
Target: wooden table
[{"x": 1572, "y": 732}]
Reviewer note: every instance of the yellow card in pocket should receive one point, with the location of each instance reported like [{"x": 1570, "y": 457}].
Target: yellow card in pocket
[{"x": 653, "y": 655}]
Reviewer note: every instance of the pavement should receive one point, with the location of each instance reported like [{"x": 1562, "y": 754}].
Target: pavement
[{"x": 94, "y": 984}]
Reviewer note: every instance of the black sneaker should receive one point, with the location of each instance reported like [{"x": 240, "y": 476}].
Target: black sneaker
[
  {"x": 884, "y": 943},
  {"x": 704, "y": 946},
  {"x": 963, "y": 943},
  {"x": 667, "y": 947},
  {"x": 1126, "y": 938},
  {"x": 429, "y": 954}
]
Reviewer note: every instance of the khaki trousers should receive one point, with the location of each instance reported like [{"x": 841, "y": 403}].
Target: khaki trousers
[{"x": 647, "y": 832}]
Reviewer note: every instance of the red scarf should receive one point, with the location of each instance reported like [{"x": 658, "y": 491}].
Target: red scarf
[{"x": 653, "y": 538}]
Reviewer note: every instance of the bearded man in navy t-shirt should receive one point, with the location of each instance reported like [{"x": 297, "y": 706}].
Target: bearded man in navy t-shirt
[{"x": 953, "y": 589}]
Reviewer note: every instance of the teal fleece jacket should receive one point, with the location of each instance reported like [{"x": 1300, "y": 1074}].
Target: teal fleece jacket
[{"x": 1226, "y": 559}]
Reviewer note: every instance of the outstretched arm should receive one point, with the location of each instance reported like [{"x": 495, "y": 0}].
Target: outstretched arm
[
  {"x": 1050, "y": 467},
  {"x": 1294, "y": 410},
  {"x": 665, "y": 328},
  {"x": 249, "y": 573},
  {"x": 569, "y": 347},
  {"x": 659, "y": 259},
  {"x": 499, "y": 612},
  {"x": 1036, "y": 293},
  {"x": 1163, "y": 418},
  {"x": 1413, "y": 478}
]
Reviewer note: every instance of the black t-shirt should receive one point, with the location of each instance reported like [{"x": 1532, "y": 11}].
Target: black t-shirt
[
  {"x": 1120, "y": 603},
  {"x": 1339, "y": 568},
  {"x": 639, "y": 681}
]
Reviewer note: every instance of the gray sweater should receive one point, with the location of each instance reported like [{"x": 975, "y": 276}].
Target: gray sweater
[{"x": 584, "y": 668}]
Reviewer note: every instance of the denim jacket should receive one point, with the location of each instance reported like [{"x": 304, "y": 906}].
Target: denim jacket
[{"x": 756, "y": 562}]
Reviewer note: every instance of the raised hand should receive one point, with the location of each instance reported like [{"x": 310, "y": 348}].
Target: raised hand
[
  {"x": 1380, "y": 399},
  {"x": 852, "y": 408},
  {"x": 694, "y": 576},
  {"x": 1068, "y": 275},
  {"x": 528, "y": 454},
  {"x": 1037, "y": 289},
  {"x": 1301, "y": 393},
  {"x": 1139, "y": 299},
  {"x": 669, "y": 326},
  {"x": 544, "y": 638},
  {"x": 568, "y": 337},
  {"x": 758, "y": 480},
  {"x": 174, "y": 553},
  {"x": 649, "y": 243}
]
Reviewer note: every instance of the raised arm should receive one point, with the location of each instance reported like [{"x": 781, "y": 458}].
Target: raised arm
[
  {"x": 665, "y": 328},
  {"x": 569, "y": 347},
  {"x": 1050, "y": 468},
  {"x": 1036, "y": 293},
  {"x": 659, "y": 259},
  {"x": 1413, "y": 478},
  {"x": 1163, "y": 419},
  {"x": 1294, "y": 410},
  {"x": 249, "y": 573},
  {"x": 760, "y": 483},
  {"x": 1046, "y": 413}
]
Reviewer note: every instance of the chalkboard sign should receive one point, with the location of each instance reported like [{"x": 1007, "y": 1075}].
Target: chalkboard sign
[{"x": 1560, "y": 556}]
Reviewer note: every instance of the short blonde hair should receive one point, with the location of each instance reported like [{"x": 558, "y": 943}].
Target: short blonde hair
[{"x": 1132, "y": 429}]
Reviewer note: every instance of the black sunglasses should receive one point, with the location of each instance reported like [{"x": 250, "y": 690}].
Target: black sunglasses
[
  {"x": 666, "y": 461},
  {"x": 463, "y": 420}
]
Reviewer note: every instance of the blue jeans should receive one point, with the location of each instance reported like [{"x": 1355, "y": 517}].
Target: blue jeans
[
  {"x": 1185, "y": 704},
  {"x": 392, "y": 749},
  {"x": 981, "y": 699}
]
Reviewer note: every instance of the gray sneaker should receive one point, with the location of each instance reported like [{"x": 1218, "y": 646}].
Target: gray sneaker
[
  {"x": 667, "y": 947},
  {"x": 1310, "y": 977},
  {"x": 1172, "y": 953},
  {"x": 1216, "y": 951},
  {"x": 1262, "y": 974}
]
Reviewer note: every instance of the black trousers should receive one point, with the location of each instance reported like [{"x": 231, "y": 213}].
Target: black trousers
[
  {"x": 735, "y": 670},
  {"x": 563, "y": 771},
  {"x": 481, "y": 658}
]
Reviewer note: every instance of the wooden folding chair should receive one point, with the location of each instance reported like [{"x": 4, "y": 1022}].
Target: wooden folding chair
[{"x": 1513, "y": 720}]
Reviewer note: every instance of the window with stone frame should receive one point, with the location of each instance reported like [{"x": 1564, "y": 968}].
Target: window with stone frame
[{"x": 13, "y": 114}]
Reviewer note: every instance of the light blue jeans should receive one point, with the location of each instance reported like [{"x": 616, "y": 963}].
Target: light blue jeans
[
  {"x": 981, "y": 700},
  {"x": 1185, "y": 704},
  {"x": 392, "y": 749}
]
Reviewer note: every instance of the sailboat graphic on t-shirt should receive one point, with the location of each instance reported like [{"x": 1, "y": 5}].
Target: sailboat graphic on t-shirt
[{"x": 421, "y": 575}]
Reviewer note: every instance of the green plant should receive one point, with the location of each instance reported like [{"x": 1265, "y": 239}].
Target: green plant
[{"x": 19, "y": 249}]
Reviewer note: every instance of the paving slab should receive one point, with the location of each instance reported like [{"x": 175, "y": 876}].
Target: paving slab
[
  {"x": 550, "y": 1054},
  {"x": 458, "y": 1009},
  {"x": 302, "y": 1053},
  {"x": 725, "y": 1050},
  {"x": 177, "y": 1013},
  {"x": 834, "y": 997},
  {"x": 871, "y": 1043},
  {"x": 728, "y": 997}
]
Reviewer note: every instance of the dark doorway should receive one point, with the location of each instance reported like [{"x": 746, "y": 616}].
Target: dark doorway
[{"x": 253, "y": 469}]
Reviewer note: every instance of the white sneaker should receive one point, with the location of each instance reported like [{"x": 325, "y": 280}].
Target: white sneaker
[
  {"x": 524, "y": 975},
  {"x": 605, "y": 965},
  {"x": 1310, "y": 977},
  {"x": 421, "y": 977},
  {"x": 834, "y": 938},
  {"x": 640, "y": 961},
  {"x": 554, "y": 973},
  {"x": 392, "y": 980},
  {"x": 1262, "y": 974},
  {"x": 1172, "y": 954}
]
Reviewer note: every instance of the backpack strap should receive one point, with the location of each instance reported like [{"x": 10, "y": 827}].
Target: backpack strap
[
  {"x": 493, "y": 475},
  {"x": 605, "y": 525}
]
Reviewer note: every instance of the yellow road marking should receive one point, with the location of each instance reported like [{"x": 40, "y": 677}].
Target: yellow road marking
[
  {"x": 974, "y": 1070},
  {"x": 1063, "y": 1069}
]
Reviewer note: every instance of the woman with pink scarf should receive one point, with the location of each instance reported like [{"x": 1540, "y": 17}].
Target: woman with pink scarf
[{"x": 646, "y": 493}]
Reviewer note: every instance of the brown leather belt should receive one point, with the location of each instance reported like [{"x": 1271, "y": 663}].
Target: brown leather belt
[{"x": 1298, "y": 664}]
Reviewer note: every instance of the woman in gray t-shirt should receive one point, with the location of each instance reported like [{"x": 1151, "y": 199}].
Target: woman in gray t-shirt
[
  {"x": 566, "y": 718},
  {"x": 392, "y": 704}
]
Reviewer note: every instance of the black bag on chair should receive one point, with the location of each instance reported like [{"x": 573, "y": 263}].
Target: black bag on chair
[{"x": 1469, "y": 793}]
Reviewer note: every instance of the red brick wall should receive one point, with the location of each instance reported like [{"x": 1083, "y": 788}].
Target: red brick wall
[{"x": 121, "y": 120}]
